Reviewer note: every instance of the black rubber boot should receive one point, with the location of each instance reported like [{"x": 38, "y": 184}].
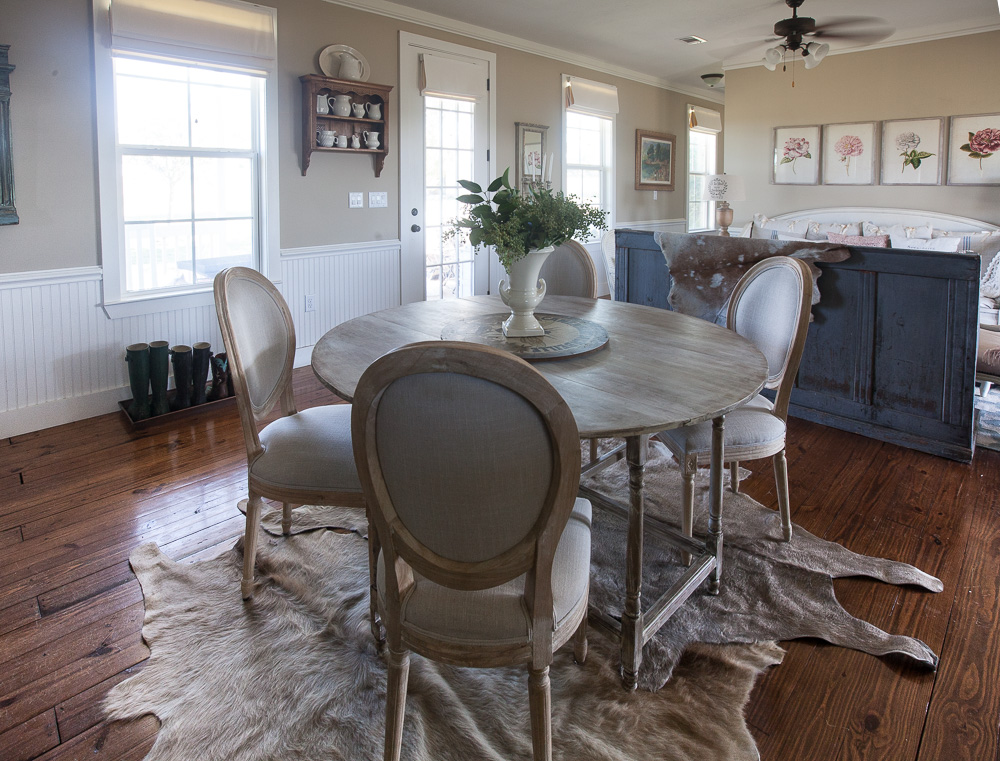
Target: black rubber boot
[
  {"x": 199, "y": 371},
  {"x": 181, "y": 357},
  {"x": 159, "y": 366},
  {"x": 137, "y": 356}
]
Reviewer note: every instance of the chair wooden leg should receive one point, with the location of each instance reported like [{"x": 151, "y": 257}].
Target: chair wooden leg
[
  {"x": 781, "y": 483},
  {"x": 593, "y": 450},
  {"x": 580, "y": 641},
  {"x": 687, "y": 502},
  {"x": 374, "y": 547},
  {"x": 540, "y": 708},
  {"x": 250, "y": 544},
  {"x": 395, "y": 702},
  {"x": 286, "y": 518},
  {"x": 734, "y": 476},
  {"x": 985, "y": 387}
]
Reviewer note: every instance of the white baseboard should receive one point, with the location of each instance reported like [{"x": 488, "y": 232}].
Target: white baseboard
[{"x": 60, "y": 411}]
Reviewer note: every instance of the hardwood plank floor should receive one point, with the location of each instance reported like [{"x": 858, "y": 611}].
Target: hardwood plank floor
[{"x": 74, "y": 501}]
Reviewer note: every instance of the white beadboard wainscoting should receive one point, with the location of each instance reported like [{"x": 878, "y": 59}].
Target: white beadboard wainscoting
[{"x": 62, "y": 359}]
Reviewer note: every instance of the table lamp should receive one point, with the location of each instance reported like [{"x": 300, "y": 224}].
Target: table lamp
[{"x": 723, "y": 188}]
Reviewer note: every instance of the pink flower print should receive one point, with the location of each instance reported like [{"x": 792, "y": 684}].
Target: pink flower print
[
  {"x": 795, "y": 148},
  {"x": 847, "y": 146},
  {"x": 982, "y": 144}
]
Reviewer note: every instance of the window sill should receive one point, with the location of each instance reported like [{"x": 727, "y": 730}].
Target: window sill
[{"x": 151, "y": 304}]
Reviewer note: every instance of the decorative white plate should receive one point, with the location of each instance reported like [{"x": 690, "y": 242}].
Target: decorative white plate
[{"x": 329, "y": 61}]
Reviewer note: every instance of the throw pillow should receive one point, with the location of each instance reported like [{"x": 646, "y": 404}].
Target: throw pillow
[
  {"x": 986, "y": 244},
  {"x": 874, "y": 241},
  {"x": 950, "y": 245},
  {"x": 819, "y": 230},
  {"x": 903, "y": 231},
  {"x": 769, "y": 233},
  {"x": 794, "y": 226}
]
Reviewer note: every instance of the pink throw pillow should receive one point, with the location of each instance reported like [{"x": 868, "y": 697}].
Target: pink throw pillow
[{"x": 875, "y": 241}]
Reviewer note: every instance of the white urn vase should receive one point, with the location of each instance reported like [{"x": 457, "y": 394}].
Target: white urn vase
[{"x": 523, "y": 291}]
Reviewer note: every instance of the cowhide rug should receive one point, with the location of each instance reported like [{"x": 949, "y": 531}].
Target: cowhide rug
[
  {"x": 295, "y": 675},
  {"x": 705, "y": 268}
]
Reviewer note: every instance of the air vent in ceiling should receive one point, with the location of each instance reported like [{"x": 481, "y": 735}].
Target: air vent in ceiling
[{"x": 692, "y": 40}]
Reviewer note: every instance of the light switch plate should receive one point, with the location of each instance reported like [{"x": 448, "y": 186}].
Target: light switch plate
[
  {"x": 357, "y": 201},
  {"x": 378, "y": 199}
]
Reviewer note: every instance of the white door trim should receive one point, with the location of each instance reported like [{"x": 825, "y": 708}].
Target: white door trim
[{"x": 411, "y": 144}]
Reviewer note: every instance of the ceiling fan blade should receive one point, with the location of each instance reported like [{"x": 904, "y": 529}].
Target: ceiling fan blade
[{"x": 862, "y": 29}]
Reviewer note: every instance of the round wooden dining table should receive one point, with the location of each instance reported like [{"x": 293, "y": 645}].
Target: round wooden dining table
[{"x": 658, "y": 370}]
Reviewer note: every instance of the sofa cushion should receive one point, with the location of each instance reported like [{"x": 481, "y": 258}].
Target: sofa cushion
[{"x": 875, "y": 241}]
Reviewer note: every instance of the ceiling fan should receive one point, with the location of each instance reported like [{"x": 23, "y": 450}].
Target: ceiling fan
[{"x": 794, "y": 31}]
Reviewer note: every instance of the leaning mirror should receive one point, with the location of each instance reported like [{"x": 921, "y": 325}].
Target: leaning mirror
[
  {"x": 8, "y": 215},
  {"x": 529, "y": 151}
]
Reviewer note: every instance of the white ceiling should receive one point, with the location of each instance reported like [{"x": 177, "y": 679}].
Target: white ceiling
[{"x": 641, "y": 35}]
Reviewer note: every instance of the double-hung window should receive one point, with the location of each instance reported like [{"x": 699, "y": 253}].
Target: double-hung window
[
  {"x": 704, "y": 127},
  {"x": 589, "y": 139},
  {"x": 187, "y": 136}
]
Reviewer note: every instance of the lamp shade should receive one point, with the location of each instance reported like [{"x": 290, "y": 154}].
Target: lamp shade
[
  {"x": 815, "y": 52},
  {"x": 723, "y": 187},
  {"x": 772, "y": 57},
  {"x": 711, "y": 79}
]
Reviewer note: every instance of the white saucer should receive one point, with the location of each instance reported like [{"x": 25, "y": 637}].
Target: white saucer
[{"x": 329, "y": 61}]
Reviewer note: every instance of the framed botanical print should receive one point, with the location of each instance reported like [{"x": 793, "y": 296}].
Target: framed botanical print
[
  {"x": 796, "y": 155},
  {"x": 8, "y": 214},
  {"x": 912, "y": 151},
  {"x": 849, "y": 153},
  {"x": 654, "y": 160},
  {"x": 974, "y": 150}
]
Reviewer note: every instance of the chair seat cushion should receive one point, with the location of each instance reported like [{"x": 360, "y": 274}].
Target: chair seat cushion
[
  {"x": 498, "y": 615},
  {"x": 752, "y": 430},
  {"x": 309, "y": 450}
]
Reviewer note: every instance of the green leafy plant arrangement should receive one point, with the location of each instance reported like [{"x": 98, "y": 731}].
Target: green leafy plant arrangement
[{"x": 514, "y": 223}]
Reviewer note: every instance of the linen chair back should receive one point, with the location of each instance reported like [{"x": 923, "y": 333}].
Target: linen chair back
[
  {"x": 569, "y": 271},
  {"x": 259, "y": 336},
  {"x": 470, "y": 463},
  {"x": 770, "y": 306}
]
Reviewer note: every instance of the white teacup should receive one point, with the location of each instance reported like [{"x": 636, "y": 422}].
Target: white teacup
[
  {"x": 371, "y": 139},
  {"x": 341, "y": 141},
  {"x": 359, "y": 109},
  {"x": 326, "y": 137}
]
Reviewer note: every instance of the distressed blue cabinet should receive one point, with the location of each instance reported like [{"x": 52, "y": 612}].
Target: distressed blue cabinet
[{"x": 891, "y": 352}]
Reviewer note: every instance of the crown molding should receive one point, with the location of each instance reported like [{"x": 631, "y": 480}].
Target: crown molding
[
  {"x": 472, "y": 31},
  {"x": 887, "y": 44}
]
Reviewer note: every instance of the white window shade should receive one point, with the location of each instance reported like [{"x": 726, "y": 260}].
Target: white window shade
[
  {"x": 451, "y": 78},
  {"x": 217, "y": 31},
  {"x": 704, "y": 120},
  {"x": 591, "y": 97}
]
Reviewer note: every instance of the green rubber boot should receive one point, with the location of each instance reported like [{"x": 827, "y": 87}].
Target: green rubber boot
[
  {"x": 137, "y": 356},
  {"x": 181, "y": 356},
  {"x": 199, "y": 371},
  {"x": 159, "y": 366}
]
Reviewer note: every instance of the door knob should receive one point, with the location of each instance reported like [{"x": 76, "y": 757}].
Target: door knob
[{"x": 414, "y": 228}]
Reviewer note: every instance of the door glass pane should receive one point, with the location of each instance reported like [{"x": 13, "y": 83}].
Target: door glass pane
[{"x": 449, "y": 143}]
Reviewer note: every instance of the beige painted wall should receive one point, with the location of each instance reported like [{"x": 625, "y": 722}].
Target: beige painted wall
[
  {"x": 940, "y": 78},
  {"x": 54, "y": 145}
]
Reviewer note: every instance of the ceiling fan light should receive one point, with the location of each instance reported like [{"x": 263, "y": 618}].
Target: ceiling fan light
[
  {"x": 815, "y": 52},
  {"x": 772, "y": 57}
]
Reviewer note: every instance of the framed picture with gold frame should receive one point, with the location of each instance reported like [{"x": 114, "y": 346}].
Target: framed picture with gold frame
[
  {"x": 529, "y": 153},
  {"x": 655, "y": 158}
]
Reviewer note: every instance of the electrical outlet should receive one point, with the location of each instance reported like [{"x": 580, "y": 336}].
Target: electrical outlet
[
  {"x": 357, "y": 201},
  {"x": 310, "y": 303},
  {"x": 378, "y": 199}
]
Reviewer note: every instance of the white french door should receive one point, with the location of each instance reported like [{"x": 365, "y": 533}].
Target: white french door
[{"x": 443, "y": 139}]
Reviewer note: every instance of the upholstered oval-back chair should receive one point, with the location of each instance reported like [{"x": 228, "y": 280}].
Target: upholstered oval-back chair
[
  {"x": 770, "y": 306},
  {"x": 470, "y": 463},
  {"x": 302, "y": 457},
  {"x": 569, "y": 271}
]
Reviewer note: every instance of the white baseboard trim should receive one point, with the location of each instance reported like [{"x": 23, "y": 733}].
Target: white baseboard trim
[
  {"x": 60, "y": 411},
  {"x": 303, "y": 356}
]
